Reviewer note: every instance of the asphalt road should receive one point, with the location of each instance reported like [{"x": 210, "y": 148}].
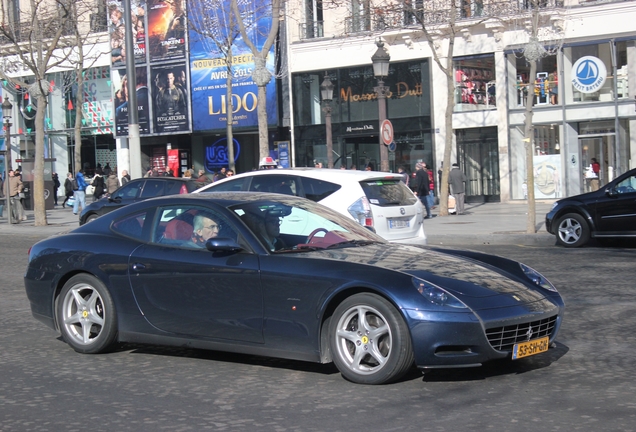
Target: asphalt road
[{"x": 585, "y": 384}]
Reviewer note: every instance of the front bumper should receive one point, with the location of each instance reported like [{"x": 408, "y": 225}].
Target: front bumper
[{"x": 460, "y": 340}]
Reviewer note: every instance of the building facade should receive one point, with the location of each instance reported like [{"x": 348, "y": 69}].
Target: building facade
[{"x": 583, "y": 90}]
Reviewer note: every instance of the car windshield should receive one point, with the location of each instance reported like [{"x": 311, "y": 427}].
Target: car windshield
[{"x": 298, "y": 225}]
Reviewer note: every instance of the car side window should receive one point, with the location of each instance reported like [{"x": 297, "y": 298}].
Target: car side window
[
  {"x": 128, "y": 191},
  {"x": 626, "y": 186},
  {"x": 235, "y": 185},
  {"x": 317, "y": 190},
  {"x": 152, "y": 188},
  {"x": 173, "y": 187},
  {"x": 282, "y": 184},
  {"x": 131, "y": 226},
  {"x": 190, "y": 227}
]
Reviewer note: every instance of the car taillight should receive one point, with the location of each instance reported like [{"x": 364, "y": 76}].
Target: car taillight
[
  {"x": 361, "y": 211},
  {"x": 183, "y": 190}
]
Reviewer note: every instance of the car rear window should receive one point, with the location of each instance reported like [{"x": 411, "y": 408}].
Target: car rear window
[
  {"x": 317, "y": 190},
  {"x": 388, "y": 192}
]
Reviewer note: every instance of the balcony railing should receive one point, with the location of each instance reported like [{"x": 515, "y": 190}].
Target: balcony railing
[
  {"x": 310, "y": 30},
  {"x": 23, "y": 32},
  {"x": 438, "y": 12}
]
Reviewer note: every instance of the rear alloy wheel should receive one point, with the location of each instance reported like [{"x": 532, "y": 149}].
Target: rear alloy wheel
[
  {"x": 369, "y": 340},
  {"x": 572, "y": 230},
  {"x": 86, "y": 315}
]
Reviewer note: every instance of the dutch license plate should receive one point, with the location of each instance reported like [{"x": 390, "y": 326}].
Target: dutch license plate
[
  {"x": 529, "y": 348},
  {"x": 398, "y": 224}
]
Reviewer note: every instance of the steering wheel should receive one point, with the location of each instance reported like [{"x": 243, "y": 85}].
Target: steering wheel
[{"x": 314, "y": 232}]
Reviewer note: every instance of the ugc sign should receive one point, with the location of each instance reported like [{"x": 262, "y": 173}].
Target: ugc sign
[{"x": 588, "y": 74}]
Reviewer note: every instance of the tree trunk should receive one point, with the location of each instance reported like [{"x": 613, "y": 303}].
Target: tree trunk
[
  {"x": 529, "y": 142},
  {"x": 263, "y": 139},
  {"x": 77, "y": 128},
  {"x": 39, "y": 205}
]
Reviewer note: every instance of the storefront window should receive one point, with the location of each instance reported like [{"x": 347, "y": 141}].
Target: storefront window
[
  {"x": 590, "y": 69},
  {"x": 548, "y": 173},
  {"x": 354, "y": 97},
  {"x": 544, "y": 86},
  {"x": 474, "y": 83}
]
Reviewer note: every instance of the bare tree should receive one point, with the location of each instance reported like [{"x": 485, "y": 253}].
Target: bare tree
[
  {"x": 261, "y": 75},
  {"x": 534, "y": 51},
  {"x": 440, "y": 22},
  {"x": 39, "y": 36},
  {"x": 83, "y": 57},
  {"x": 215, "y": 23}
]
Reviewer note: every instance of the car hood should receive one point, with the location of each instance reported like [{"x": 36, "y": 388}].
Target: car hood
[{"x": 459, "y": 275}]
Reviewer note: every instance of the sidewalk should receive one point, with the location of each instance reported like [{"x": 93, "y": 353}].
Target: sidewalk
[{"x": 490, "y": 223}]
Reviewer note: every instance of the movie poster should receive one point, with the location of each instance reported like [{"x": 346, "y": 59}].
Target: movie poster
[
  {"x": 166, "y": 30},
  {"x": 117, "y": 31},
  {"x": 120, "y": 101},
  {"x": 170, "y": 90},
  {"x": 209, "y": 86}
]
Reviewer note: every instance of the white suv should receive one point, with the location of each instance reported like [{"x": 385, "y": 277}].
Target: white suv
[{"x": 375, "y": 199}]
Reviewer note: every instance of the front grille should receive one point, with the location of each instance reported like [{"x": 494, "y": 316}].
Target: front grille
[{"x": 504, "y": 338}]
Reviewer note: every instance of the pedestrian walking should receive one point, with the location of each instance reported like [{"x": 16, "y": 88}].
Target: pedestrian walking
[
  {"x": 422, "y": 187},
  {"x": 56, "y": 186},
  {"x": 125, "y": 177},
  {"x": 68, "y": 188},
  {"x": 79, "y": 192},
  {"x": 457, "y": 180},
  {"x": 15, "y": 192},
  {"x": 112, "y": 183},
  {"x": 98, "y": 185}
]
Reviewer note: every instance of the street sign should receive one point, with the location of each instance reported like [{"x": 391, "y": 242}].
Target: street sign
[{"x": 386, "y": 130}]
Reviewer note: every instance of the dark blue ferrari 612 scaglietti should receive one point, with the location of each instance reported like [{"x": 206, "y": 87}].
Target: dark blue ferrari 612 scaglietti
[{"x": 281, "y": 276}]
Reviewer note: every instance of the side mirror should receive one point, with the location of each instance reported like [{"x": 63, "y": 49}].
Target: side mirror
[
  {"x": 611, "y": 192},
  {"x": 222, "y": 244}
]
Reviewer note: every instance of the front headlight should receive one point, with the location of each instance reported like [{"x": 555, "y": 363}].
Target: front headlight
[
  {"x": 436, "y": 295},
  {"x": 537, "y": 278}
]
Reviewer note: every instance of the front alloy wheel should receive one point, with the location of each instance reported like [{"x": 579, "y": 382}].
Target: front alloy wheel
[
  {"x": 370, "y": 341},
  {"x": 572, "y": 230},
  {"x": 86, "y": 315}
]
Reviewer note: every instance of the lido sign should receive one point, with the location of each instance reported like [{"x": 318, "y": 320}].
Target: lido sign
[{"x": 588, "y": 74}]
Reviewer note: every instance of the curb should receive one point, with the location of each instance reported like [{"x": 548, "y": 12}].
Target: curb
[{"x": 516, "y": 238}]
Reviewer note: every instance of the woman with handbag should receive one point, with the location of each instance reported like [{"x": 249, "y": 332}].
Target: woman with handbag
[{"x": 68, "y": 189}]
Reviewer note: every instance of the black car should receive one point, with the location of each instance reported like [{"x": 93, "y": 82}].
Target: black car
[
  {"x": 137, "y": 190},
  {"x": 609, "y": 212},
  {"x": 283, "y": 276}
]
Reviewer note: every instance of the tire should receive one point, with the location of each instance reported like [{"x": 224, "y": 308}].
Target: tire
[
  {"x": 379, "y": 350},
  {"x": 91, "y": 218},
  {"x": 86, "y": 315},
  {"x": 572, "y": 231}
]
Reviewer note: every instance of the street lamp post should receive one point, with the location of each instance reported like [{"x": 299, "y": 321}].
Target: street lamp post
[
  {"x": 7, "y": 107},
  {"x": 380, "y": 61},
  {"x": 326, "y": 91}
]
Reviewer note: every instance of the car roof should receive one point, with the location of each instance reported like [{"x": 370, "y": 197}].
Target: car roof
[
  {"x": 333, "y": 175},
  {"x": 163, "y": 178}
]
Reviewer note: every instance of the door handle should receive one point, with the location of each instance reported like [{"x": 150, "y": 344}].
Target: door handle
[{"x": 138, "y": 267}]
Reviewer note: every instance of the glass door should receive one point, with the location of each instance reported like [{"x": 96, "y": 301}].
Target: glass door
[
  {"x": 479, "y": 159},
  {"x": 600, "y": 148}
]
